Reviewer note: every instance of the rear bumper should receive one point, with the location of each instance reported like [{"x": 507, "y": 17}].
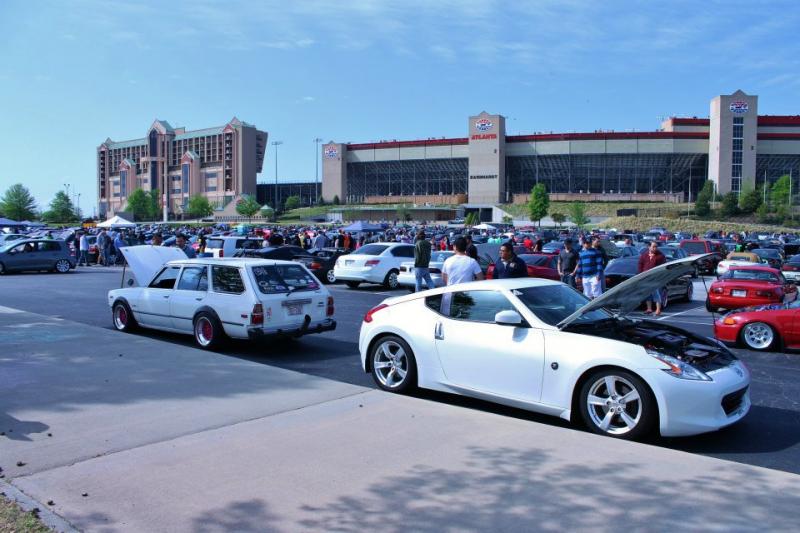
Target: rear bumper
[
  {"x": 305, "y": 329},
  {"x": 731, "y": 302},
  {"x": 366, "y": 274}
]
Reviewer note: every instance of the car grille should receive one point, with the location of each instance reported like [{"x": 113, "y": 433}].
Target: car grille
[{"x": 732, "y": 401}]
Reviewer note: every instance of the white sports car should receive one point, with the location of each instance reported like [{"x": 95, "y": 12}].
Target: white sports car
[
  {"x": 540, "y": 345},
  {"x": 212, "y": 299}
]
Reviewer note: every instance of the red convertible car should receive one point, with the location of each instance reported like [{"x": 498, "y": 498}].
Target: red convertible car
[
  {"x": 539, "y": 266},
  {"x": 745, "y": 286},
  {"x": 761, "y": 327}
]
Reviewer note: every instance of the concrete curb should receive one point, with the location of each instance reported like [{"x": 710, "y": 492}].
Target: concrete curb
[{"x": 48, "y": 517}]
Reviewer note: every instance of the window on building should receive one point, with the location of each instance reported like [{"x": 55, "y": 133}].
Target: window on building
[
  {"x": 123, "y": 180},
  {"x": 738, "y": 120},
  {"x": 185, "y": 177}
]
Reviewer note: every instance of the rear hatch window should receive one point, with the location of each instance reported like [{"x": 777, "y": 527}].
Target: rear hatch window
[
  {"x": 372, "y": 249},
  {"x": 284, "y": 278},
  {"x": 694, "y": 248},
  {"x": 213, "y": 243}
]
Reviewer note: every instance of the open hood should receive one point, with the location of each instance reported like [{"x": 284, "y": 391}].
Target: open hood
[
  {"x": 629, "y": 294},
  {"x": 145, "y": 261}
]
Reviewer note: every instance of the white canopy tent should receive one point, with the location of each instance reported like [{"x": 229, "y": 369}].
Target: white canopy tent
[
  {"x": 484, "y": 226},
  {"x": 116, "y": 222}
]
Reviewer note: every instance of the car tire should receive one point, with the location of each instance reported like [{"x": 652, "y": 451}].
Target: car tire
[
  {"x": 665, "y": 299},
  {"x": 390, "y": 281},
  {"x": 689, "y": 292},
  {"x": 2, "y": 269},
  {"x": 352, "y": 284},
  {"x": 123, "y": 317},
  {"x": 393, "y": 365},
  {"x": 758, "y": 336},
  {"x": 627, "y": 411},
  {"x": 62, "y": 266},
  {"x": 709, "y": 307},
  {"x": 208, "y": 332},
  {"x": 330, "y": 276}
]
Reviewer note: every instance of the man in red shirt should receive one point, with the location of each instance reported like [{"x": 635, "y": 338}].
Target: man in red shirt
[{"x": 651, "y": 259}]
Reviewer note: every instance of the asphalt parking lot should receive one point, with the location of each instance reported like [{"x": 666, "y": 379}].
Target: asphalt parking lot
[{"x": 768, "y": 437}]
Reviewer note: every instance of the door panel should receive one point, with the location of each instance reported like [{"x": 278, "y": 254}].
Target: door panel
[{"x": 189, "y": 295}]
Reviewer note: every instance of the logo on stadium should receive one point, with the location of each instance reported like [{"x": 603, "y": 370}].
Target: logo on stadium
[
  {"x": 739, "y": 107},
  {"x": 484, "y": 124},
  {"x": 331, "y": 152}
]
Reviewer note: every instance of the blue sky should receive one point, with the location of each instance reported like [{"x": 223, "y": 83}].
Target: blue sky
[{"x": 73, "y": 73}]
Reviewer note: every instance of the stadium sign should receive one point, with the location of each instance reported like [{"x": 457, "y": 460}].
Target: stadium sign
[
  {"x": 484, "y": 124},
  {"x": 331, "y": 152},
  {"x": 739, "y": 107}
]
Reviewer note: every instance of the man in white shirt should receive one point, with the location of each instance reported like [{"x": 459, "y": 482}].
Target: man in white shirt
[
  {"x": 461, "y": 268},
  {"x": 83, "y": 250}
]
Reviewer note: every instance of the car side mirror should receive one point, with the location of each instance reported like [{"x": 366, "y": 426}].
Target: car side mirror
[{"x": 508, "y": 318}]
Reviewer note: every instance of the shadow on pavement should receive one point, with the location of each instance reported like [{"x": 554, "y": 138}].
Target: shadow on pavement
[{"x": 15, "y": 429}]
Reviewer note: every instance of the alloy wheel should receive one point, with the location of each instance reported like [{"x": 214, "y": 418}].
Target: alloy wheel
[
  {"x": 62, "y": 266},
  {"x": 330, "y": 276},
  {"x": 391, "y": 280},
  {"x": 758, "y": 336},
  {"x": 614, "y": 405},
  {"x": 204, "y": 331},
  {"x": 390, "y": 364}
]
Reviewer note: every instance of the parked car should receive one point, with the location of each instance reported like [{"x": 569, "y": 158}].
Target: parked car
[
  {"x": 772, "y": 256},
  {"x": 716, "y": 250},
  {"x": 217, "y": 298},
  {"x": 36, "y": 254},
  {"x": 791, "y": 269},
  {"x": 625, "y": 268},
  {"x": 540, "y": 345},
  {"x": 539, "y": 266},
  {"x": 324, "y": 260},
  {"x": 738, "y": 259},
  {"x": 762, "y": 327},
  {"x": 226, "y": 246},
  {"x": 373, "y": 263},
  {"x": 746, "y": 286},
  {"x": 407, "y": 277},
  {"x": 7, "y": 238}
]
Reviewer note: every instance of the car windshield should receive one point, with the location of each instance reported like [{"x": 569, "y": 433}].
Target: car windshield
[
  {"x": 626, "y": 266},
  {"x": 767, "y": 252},
  {"x": 694, "y": 248},
  {"x": 283, "y": 278},
  {"x": 750, "y": 275},
  {"x": 372, "y": 249},
  {"x": 553, "y": 303}
]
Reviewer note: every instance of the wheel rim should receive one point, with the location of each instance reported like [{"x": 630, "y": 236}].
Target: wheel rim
[
  {"x": 758, "y": 335},
  {"x": 390, "y": 364},
  {"x": 614, "y": 405},
  {"x": 392, "y": 280},
  {"x": 62, "y": 266},
  {"x": 120, "y": 317},
  {"x": 331, "y": 276},
  {"x": 204, "y": 331}
]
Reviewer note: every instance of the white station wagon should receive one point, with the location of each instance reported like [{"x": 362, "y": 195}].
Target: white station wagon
[{"x": 241, "y": 298}]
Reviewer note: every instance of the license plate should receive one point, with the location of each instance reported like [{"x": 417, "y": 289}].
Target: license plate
[
  {"x": 294, "y": 309},
  {"x": 739, "y": 293},
  {"x": 348, "y": 263}
]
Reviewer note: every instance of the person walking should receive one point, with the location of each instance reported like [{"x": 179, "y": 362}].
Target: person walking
[
  {"x": 590, "y": 269},
  {"x": 509, "y": 265},
  {"x": 652, "y": 259},
  {"x": 568, "y": 260},
  {"x": 598, "y": 246},
  {"x": 83, "y": 247},
  {"x": 422, "y": 261},
  {"x": 101, "y": 242},
  {"x": 472, "y": 250},
  {"x": 461, "y": 268}
]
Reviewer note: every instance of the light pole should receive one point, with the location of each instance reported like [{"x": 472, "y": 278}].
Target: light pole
[
  {"x": 78, "y": 208},
  {"x": 317, "y": 140},
  {"x": 275, "y": 206}
]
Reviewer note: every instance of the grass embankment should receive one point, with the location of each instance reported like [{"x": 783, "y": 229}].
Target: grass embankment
[
  {"x": 598, "y": 209},
  {"x": 685, "y": 224},
  {"x": 13, "y": 519}
]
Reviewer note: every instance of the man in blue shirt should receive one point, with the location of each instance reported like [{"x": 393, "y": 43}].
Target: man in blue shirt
[
  {"x": 180, "y": 243},
  {"x": 590, "y": 270}
]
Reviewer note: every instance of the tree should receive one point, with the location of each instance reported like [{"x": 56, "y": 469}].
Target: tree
[
  {"x": 702, "y": 206},
  {"x": 539, "y": 203},
  {"x": 199, "y": 207},
  {"x": 730, "y": 205},
  {"x": 403, "y": 214},
  {"x": 17, "y": 203},
  {"x": 139, "y": 205},
  {"x": 247, "y": 206},
  {"x": 780, "y": 196},
  {"x": 507, "y": 219},
  {"x": 153, "y": 207},
  {"x": 751, "y": 198},
  {"x": 471, "y": 219},
  {"x": 292, "y": 202},
  {"x": 577, "y": 214},
  {"x": 558, "y": 218},
  {"x": 61, "y": 210},
  {"x": 336, "y": 199}
]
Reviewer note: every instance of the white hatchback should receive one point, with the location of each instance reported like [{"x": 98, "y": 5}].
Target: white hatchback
[
  {"x": 212, "y": 299},
  {"x": 373, "y": 263}
]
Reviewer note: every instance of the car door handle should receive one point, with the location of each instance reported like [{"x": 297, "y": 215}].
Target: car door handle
[
  {"x": 200, "y": 299},
  {"x": 165, "y": 296},
  {"x": 438, "y": 332}
]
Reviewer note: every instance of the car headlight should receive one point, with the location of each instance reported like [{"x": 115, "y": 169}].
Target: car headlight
[{"x": 679, "y": 369}]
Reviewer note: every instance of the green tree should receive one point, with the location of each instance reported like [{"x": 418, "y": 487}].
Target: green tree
[
  {"x": 199, "y": 207},
  {"x": 247, "y": 206},
  {"x": 403, "y": 214},
  {"x": 577, "y": 214},
  {"x": 750, "y": 199},
  {"x": 507, "y": 219},
  {"x": 730, "y": 205},
  {"x": 336, "y": 199},
  {"x": 292, "y": 202},
  {"x": 780, "y": 196},
  {"x": 702, "y": 206},
  {"x": 471, "y": 219},
  {"x": 18, "y": 204},
  {"x": 558, "y": 218},
  {"x": 154, "y": 205},
  {"x": 61, "y": 210},
  {"x": 539, "y": 203},
  {"x": 139, "y": 205}
]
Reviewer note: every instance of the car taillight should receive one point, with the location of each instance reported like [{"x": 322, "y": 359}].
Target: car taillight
[
  {"x": 790, "y": 268},
  {"x": 221, "y": 253},
  {"x": 717, "y": 290},
  {"x": 490, "y": 272},
  {"x": 315, "y": 266},
  {"x": 257, "y": 316},
  {"x": 766, "y": 294},
  {"x": 329, "y": 309},
  {"x": 368, "y": 316},
  {"x": 372, "y": 262}
]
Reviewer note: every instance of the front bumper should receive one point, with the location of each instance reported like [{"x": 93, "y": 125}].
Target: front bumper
[
  {"x": 693, "y": 407},
  {"x": 729, "y": 334},
  {"x": 306, "y": 328}
]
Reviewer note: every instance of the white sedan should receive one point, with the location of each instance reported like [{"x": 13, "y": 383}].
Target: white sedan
[
  {"x": 373, "y": 263},
  {"x": 540, "y": 345},
  {"x": 407, "y": 277},
  {"x": 217, "y": 298}
]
